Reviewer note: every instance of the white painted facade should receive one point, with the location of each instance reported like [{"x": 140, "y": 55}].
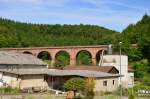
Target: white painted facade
[
  {"x": 8, "y": 80},
  {"x": 117, "y": 61},
  {"x": 130, "y": 79}
]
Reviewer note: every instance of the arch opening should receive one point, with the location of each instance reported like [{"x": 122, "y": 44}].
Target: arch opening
[
  {"x": 62, "y": 59},
  {"x": 99, "y": 56},
  {"x": 84, "y": 57},
  {"x": 27, "y": 52},
  {"x": 45, "y": 56}
]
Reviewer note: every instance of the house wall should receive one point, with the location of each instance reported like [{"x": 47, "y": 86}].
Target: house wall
[
  {"x": 110, "y": 86},
  {"x": 8, "y": 79},
  {"x": 30, "y": 81},
  {"x": 23, "y": 82}
]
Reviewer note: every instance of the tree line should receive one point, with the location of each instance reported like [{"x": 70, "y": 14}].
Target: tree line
[{"x": 17, "y": 34}]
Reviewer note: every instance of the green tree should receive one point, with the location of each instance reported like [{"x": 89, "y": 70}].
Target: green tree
[
  {"x": 62, "y": 59},
  {"x": 84, "y": 58},
  {"x": 139, "y": 33},
  {"x": 75, "y": 84},
  {"x": 61, "y": 62},
  {"x": 44, "y": 55}
]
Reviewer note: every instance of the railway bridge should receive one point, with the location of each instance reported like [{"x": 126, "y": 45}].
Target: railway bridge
[{"x": 72, "y": 51}]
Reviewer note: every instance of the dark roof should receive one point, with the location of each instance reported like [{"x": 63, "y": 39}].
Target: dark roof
[
  {"x": 106, "y": 69},
  {"x": 82, "y": 73},
  {"x": 19, "y": 58},
  {"x": 57, "y": 72},
  {"x": 25, "y": 71}
]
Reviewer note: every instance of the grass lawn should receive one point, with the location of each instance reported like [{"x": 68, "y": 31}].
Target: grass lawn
[{"x": 50, "y": 96}]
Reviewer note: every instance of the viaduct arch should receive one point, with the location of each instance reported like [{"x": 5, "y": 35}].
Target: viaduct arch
[{"x": 71, "y": 50}]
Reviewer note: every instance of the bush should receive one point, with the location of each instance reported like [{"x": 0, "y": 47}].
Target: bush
[
  {"x": 131, "y": 94},
  {"x": 124, "y": 91},
  {"x": 89, "y": 88},
  {"x": 75, "y": 84},
  {"x": 80, "y": 84},
  {"x": 9, "y": 90}
]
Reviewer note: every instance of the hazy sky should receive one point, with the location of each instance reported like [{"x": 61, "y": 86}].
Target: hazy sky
[{"x": 112, "y": 14}]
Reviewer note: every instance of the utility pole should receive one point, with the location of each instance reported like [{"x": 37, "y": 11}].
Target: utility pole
[{"x": 120, "y": 70}]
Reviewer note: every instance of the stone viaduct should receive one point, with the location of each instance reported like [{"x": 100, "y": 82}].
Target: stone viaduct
[{"x": 71, "y": 50}]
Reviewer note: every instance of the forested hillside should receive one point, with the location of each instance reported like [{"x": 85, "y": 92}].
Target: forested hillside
[
  {"x": 139, "y": 34},
  {"x": 17, "y": 34}
]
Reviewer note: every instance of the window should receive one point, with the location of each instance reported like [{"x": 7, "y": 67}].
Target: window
[
  {"x": 104, "y": 83},
  {"x": 113, "y": 82}
]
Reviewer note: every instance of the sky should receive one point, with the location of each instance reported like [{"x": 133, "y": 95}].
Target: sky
[{"x": 112, "y": 14}]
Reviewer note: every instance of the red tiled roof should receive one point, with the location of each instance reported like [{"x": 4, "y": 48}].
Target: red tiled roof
[{"x": 106, "y": 69}]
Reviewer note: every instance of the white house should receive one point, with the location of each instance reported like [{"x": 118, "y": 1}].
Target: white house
[{"x": 120, "y": 61}]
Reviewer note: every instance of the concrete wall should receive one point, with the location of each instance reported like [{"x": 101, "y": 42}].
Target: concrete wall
[
  {"x": 110, "y": 86},
  {"x": 29, "y": 81},
  {"x": 130, "y": 79},
  {"x": 114, "y": 60}
]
